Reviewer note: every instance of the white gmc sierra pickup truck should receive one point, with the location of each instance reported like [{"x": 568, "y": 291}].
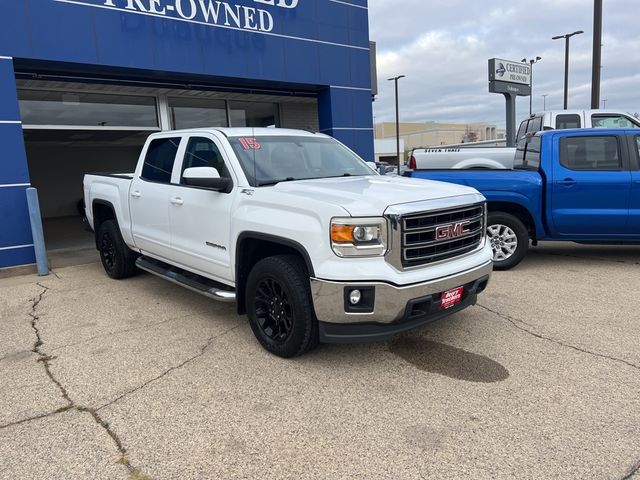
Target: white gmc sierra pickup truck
[{"x": 309, "y": 241}]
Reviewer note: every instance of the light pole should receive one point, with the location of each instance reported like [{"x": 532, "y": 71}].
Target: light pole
[
  {"x": 395, "y": 79},
  {"x": 604, "y": 104},
  {"x": 544, "y": 102},
  {"x": 566, "y": 63},
  {"x": 597, "y": 54},
  {"x": 531, "y": 62}
]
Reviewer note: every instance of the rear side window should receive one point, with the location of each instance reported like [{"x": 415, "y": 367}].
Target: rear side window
[
  {"x": 528, "y": 154},
  {"x": 564, "y": 122},
  {"x": 590, "y": 153},
  {"x": 535, "y": 125},
  {"x": 612, "y": 121},
  {"x": 522, "y": 130},
  {"x": 158, "y": 163}
]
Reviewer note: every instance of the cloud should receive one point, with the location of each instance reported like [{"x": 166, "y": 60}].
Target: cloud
[{"x": 443, "y": 47}]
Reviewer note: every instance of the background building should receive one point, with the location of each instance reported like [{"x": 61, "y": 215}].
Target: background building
[
  {"x": 431, "y": 134},
  {"x": 83, "y": 82}
]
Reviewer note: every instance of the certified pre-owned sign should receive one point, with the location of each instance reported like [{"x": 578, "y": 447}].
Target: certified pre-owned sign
[
  {"x": 215, "y": 13},
  {"x": 509, "y": 72}
]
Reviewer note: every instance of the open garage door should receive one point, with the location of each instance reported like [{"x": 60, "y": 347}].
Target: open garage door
[
  {"x": 58, "y": 161},
  {"x": 70, "y": 134}
]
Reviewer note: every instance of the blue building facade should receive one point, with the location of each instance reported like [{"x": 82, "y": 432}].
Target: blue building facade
[{"x": 308, "y": 48}]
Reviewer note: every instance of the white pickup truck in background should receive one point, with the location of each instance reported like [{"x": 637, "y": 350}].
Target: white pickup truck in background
[
  {"x": 500, "y": 158},
  {"x": 309, "y": 241}
]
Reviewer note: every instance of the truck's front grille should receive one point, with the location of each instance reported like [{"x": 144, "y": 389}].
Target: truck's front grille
[{"x": 435, "y": 236}]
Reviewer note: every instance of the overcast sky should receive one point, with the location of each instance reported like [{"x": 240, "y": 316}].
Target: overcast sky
[{"x": 442, "y": 46}]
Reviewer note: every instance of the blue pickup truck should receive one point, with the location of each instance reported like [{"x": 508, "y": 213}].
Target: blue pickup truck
[{"x": 569, "y": 185}]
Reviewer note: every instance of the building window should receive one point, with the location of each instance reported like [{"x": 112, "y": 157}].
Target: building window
[
  {"x": 93, "y": 110},
  {"x": 254, "y": 114},
  {"x": 198, "y": 113}
]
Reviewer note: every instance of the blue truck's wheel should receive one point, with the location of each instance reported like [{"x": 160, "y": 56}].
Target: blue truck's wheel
[{"x": 509, "y": 240}]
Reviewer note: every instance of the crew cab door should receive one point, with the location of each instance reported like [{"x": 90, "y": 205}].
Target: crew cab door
[
  {"x": 634, "y": 206},
  {"x": 149, "y": 197},
  {"x": 200, "y": 218},
  {"x": 591, "y": 186}
]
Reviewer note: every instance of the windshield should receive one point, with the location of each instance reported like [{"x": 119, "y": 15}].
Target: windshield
[{"x": 268, "y": 160}]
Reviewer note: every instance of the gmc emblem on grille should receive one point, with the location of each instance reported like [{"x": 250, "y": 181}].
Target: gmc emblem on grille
[{"x": 454, "y": 230}]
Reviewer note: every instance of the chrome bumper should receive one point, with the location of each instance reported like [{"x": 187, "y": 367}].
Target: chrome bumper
[{"x": 390, "y": 301}]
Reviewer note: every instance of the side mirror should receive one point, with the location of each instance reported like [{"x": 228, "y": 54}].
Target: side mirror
[{"x": 206, "y": 177}]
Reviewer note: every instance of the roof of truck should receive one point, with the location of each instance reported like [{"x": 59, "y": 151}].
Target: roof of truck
[
  {"x": 586, "y": 131},
  {"x": 248, "y": 132}
]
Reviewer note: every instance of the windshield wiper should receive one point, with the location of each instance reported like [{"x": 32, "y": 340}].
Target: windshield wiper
[{"x": 270, "y": 183}]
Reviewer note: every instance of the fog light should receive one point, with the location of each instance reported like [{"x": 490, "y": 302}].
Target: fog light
[{"x": 355, "y": 296}]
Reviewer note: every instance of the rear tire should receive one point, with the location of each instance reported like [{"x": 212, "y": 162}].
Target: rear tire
[
  {"x": 279, "y": 306},
  {"x": 509, "y": 240},
  {"x": 118, "y": 260}
]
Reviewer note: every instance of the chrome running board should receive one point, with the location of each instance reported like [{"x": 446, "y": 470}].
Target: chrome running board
[{"x": 186, "y": 279}]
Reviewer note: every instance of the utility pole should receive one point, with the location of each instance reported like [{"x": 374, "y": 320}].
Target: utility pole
[
  {"x": 597, "y": 54},
  {"x": 395, "y": 79},
  {"x": 544, "y": 102}
]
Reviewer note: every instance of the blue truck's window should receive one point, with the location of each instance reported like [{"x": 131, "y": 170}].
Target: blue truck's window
[
  {"x": 202, "y": 152},
  {"x": 590, "y": 153},
  {"x": 564, "y": 122},
  {"x": 528, "y": 154},
  {"x": 158, "y": 163}
]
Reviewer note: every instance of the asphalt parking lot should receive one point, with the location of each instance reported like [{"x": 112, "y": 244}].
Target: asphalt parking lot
[{"x": 142, "y": 379}]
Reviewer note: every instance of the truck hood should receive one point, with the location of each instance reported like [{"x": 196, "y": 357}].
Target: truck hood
[{"x": 371, "y": 195}]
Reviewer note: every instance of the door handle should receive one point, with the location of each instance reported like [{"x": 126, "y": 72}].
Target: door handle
[
  {"x": 567, "y": 181},
  {"x": 136, "y": 194},
  {"x": 177, "y": 201}
]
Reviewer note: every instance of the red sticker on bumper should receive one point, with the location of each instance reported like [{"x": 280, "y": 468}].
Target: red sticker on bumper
[{"x": 451, "y": 298}]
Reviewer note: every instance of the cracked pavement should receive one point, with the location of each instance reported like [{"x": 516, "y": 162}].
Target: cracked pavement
[{"x": 142, "y": 379}]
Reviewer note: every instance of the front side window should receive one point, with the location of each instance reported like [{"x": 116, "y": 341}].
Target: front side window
[
  {"x": 267, "y": 160},
  {"x": 203, "y": 152},
  {"x": 590, "y": 153},
  {"x": 613, "y": 121},
  {"x": 159, "y": 160}
]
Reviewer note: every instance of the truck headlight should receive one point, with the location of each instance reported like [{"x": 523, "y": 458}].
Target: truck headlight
[{"x": 359, "y": 237}]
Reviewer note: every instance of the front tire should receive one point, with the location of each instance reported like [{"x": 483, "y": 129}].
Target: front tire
[
  {"x": 279, "y": 306},
  {"x": 118, "y": 260},
  {"x": 509, "y": 240}
]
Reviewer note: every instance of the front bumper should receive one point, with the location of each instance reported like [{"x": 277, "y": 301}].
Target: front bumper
[{"x": 394, "y": 308}]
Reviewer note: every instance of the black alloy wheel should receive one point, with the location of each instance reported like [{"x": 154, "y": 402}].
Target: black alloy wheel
[
  {"x": 118, "y": 260},
  {"x": 280, "y": 307},
  {"x": 274, "y": 313},
  {"x": 107, "y": 251}
]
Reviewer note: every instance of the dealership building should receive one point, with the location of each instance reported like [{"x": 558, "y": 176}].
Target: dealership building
[{"x": 83, "y": 82}]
